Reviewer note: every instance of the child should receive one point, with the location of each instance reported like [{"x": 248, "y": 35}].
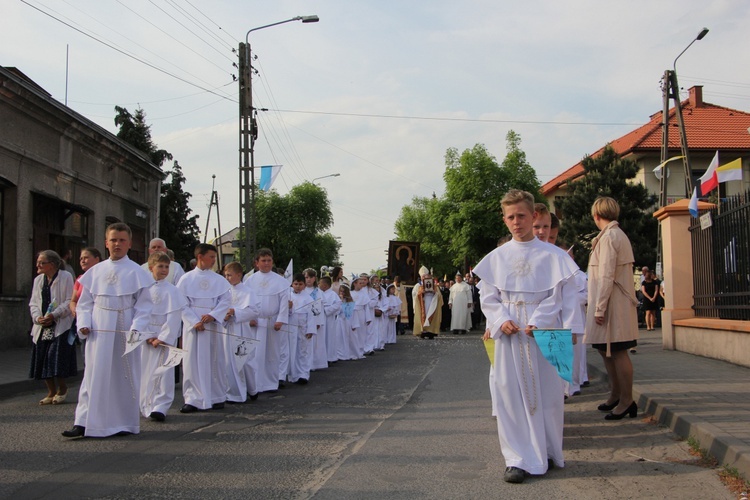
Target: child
[
  {"x": 245, "y": 307},
  {"x": 526, "y": 284},
  {"x": 380, "y": 311},
  {"x": 319, "y": 355},
  {"x": 157, "y": 390},
  {"x": 204, "y": 385},
  {"x": 114, "y": 299},
  {"x": 361, "y": 298},
  {"x": 394, "y": 312},
  {"x": 331, "y": 307},
  {"x": 347, "y": 323},
  {"x": 302, "y": 328}
]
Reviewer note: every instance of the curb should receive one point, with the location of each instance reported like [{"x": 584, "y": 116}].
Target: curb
[{"x": 726, "y": 449}]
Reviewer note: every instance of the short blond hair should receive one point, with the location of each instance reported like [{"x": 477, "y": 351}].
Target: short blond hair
[
  {"x": 605, "y": 207},
  {"x": 156, "y": 257},
  {"x": 541, "y": 209},
  {"x": 515, "y": 196}
]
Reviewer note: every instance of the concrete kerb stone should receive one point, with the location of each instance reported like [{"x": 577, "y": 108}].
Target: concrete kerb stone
[{"x": 726, "y": 449}]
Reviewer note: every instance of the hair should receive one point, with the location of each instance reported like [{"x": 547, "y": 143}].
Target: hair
[
  {"x": 93, "y": 251},
  {"x": 52, "y": 257},
  {"x": 310, "y": 273},
  {"x": 263, "y": 252},
  {"x": 157, "y": 239},
  {"x": 119, "y": 226},
  {"x": 336, "y": 273},
  {"x": 391, "y": 288},
  {"x": 555, "y": 221},
  {"x": 170, "y": 253},
  {"x": 606, "y": 208},
  {"x": 234, "y": 266},
  {"x": 298, "y": 277},
  {"x": 515, "y": 196},
  {"x": 326, "y": 280},
  {"x": 157, "y": 257},
  {"x": 541, "y": 209},
  {"x": 204, "y": 248},
  {"x": 344, "y": 290},
  {"x": 505, "y": 239}
]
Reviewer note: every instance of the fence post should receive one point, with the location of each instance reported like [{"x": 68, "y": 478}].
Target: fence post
[{"x": 677, "y": 255}]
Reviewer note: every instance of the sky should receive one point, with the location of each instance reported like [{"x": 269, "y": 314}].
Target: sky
[{"x": 377, "y": 91}]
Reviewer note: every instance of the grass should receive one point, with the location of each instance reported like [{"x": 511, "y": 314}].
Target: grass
[{"x": 733, "y": 479}]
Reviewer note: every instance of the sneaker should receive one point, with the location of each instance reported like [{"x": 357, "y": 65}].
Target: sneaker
[
  {"x": 633, "y": 350},
  {"x": 514, "y": 475}
]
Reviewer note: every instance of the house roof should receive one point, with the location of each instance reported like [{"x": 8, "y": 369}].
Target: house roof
[{"x": 708, "y": 127}]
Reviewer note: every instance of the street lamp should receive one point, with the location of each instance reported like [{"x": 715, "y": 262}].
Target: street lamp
[
  {"x": 248, "y": 135},
  {"x": 324, "y": 177}
]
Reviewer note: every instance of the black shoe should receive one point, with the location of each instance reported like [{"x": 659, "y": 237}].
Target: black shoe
[
  {"x": 253, "y": 397},
  {"x": 301, "y": 381},
  {"x": 75, "y": 432},
  {"x": 550, "y": 464},
  {"x": 585, "y": 384},
  {"x": 369, "y": 353},
  {"x": 577, "y": 393},
  {"x": 123, "y": 433},
  {"x": 217, "y": 406},
  {"x": 157, "y": 416},
  {"x": 632, "y": 412},
  {"x": 608, "y": 407},
  {"x": 514, "y": 475},
  {"x": 186, "y": 408},
  {"x": 281, "y": 384}
]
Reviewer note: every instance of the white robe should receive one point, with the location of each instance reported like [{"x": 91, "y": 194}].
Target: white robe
[
  {"x": 359, "y": 333},
  {"x": 381, "y": 322},
  {"x": 272, "y": 290},
  {"x": 205, "y": 379},
  {"x": 157, "y": 390},
  {"x": 302, "y": 322},
  {"x": 394, "y": 309},
  {"x": 331, "y": 308},
  {"x": 239, "y": 366},
  {"x": 347, "y": 323},
  {"x": 373, "y": 327},
  {"x": 114, "y": 300},
  {"x": 462, "y": 305},
  {"x": 530, "y": 284},
  {"x": 320, "y": 353}
]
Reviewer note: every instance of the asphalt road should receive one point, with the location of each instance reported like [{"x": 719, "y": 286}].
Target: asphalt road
[{"x": 412, "y": 422}]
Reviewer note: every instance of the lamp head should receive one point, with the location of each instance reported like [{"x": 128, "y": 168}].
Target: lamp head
[
  {"x": 315, "y": 19},
  {"x": 703, "y": 33}
]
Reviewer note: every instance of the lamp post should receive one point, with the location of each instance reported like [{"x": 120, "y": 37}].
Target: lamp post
[
  {"x": 325, "y": 177},
  {"x": 671, "y": 89},
  {"x": 248, "y": 135}
]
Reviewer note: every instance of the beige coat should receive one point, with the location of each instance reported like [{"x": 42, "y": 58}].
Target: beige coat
[{"x": 611, "y": 292}]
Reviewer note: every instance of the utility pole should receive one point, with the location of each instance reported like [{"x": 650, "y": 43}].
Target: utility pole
[
  {"x": 248, "y": 135},
  {"x": 214, "y": 203}
]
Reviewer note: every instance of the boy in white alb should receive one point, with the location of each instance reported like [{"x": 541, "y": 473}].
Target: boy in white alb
[
  {"x": 526, "y": 285},
  {"x": 114, "y": 300},
  {"x": 273, "y": 292},
  {"x": 245, "y": 307},
  {"x": 331, "y": 307},
  {"x": 319, "y": 354},
  {"x": 302, "y": 329},
  {"x": 204, "y": 385},
  {"x": 157, "y": 389}
]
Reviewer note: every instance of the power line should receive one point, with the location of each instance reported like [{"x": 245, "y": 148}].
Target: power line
[
  {"x": 125, "y": 53},
  {"x": 148, "y": 102},
  {"x": 212, "y": 21},
  {"x": 200, "y": 25}
]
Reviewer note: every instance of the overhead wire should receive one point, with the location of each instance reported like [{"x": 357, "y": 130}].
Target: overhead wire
[
  {"x": 123, "y": 52},
  {"x": 212, "y": 21},
  {"x": 197, "y": 23}
]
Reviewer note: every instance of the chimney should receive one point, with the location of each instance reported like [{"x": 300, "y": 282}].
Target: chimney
[{"x": 696, "y": 96}]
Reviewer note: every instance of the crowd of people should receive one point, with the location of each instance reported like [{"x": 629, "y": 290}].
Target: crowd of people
[
  {"x": 242, "y": 335},
  {"x": 237, "y": 336}
]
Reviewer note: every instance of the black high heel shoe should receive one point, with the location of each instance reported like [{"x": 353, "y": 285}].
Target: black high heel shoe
[
  {"x": 631, "y": 412},
  {"x": 608, "y": 407}
]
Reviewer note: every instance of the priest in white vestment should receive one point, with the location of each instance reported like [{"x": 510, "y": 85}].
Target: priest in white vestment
[
  {"x": 115, "y": 300},
  {"x": 462, "y": 304}
]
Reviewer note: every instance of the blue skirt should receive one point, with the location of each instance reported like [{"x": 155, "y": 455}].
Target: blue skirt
[{"x": 53, "y": 358}]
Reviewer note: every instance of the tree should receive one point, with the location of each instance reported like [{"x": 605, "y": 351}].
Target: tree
[
  {"x": 134, "y": 131},
  {"x": 607, "y": 174},
  {"x": 295, "y": 226},
  {"x": 461, "y": 227},
  {"x": 177, "y": 227}
]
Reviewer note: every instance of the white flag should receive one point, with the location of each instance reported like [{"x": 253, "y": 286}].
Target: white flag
[
  {"x": 243, "y": 351},
  {"x": 133, "y": 339},
  {"x": 289, "y": 273},
  {"x": 174, "y": 357}
]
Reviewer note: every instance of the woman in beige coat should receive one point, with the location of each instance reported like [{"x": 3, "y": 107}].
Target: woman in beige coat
[{"x": 612, "y": 320}]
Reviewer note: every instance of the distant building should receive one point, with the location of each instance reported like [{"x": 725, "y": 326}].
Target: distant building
[
  {"x": 228, "y": 244},
  {"x": 708, "y": 127},
  {"x": 63, "y": 179}
]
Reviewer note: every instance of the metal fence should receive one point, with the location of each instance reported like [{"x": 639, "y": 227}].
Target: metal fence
[{"x": 721, "y": 261}]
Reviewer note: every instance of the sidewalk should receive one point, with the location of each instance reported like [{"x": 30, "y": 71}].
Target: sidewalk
[{"x": 695, "y": 396}]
